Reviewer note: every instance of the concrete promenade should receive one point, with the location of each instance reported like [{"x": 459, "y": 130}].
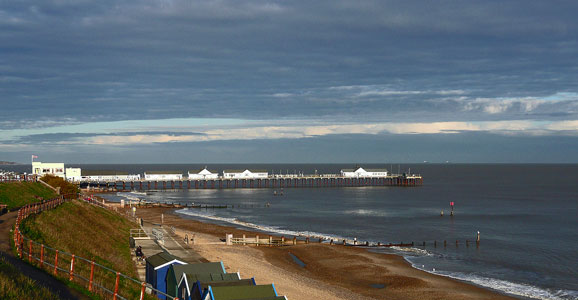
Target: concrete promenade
[{"x": 170, "y": 242}]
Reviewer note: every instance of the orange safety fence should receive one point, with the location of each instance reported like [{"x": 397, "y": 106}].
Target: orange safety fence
[{"x": 97, "y": 278}]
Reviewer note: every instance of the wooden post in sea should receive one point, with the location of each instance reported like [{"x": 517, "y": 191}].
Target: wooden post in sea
[{"x": 478, "y": 239}]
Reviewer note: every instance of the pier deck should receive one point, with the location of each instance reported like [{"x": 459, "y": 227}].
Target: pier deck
[{"x": 279, "y": 182}]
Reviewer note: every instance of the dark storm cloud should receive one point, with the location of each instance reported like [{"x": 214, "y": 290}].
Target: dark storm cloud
[{"x": 85, "y": 61}]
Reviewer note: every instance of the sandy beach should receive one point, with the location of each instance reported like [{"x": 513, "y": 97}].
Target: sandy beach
[{"x": 331, "y": 271}]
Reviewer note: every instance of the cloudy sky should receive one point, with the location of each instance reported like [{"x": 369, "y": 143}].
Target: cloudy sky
[{"x": 197, "y": 81}]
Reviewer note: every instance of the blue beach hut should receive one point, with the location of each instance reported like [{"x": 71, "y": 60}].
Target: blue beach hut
[{"x": 157, "y": 267}]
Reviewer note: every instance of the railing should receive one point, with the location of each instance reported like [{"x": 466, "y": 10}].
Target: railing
[
  {"x": 159, "y": 236},
  {"x": 138, "y": 234},
  {"x": 7, "y": 177},
  {"x": 97, "y": 278}
]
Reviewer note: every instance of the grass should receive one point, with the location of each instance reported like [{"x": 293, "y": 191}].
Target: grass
[
  {"x": 16, "y": 194},
  {"x": 14, "y": 285},
  {"x": 89, "y": 232}
]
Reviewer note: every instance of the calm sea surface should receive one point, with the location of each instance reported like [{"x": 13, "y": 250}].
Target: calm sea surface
[{"x": 527, "y": 216}]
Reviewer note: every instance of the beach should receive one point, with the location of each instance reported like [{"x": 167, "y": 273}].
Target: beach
[{"x": 330, "y": 272}]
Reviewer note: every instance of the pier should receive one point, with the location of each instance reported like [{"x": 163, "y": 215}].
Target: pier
[{"x": 271, "y": 182}]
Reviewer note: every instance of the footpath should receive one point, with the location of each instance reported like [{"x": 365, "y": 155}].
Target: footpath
[
  {"x": 39, "y": 276},
  {"x": 170, "y": 243}
]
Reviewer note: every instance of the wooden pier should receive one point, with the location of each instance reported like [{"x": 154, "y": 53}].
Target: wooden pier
[{"x": 254, "y": 183}]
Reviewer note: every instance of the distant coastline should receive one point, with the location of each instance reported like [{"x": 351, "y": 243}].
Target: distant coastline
[{"x": 7, "y": 163}]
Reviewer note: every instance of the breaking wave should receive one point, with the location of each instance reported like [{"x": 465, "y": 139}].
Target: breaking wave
[{"x": 265, "y": 228}]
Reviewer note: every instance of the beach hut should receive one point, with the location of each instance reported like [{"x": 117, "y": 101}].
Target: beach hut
[
  {"x": 156, "y": 270},
  {"x": 261, "y": 292},
  {"x": 175, "y": 272},
  {"x": 193, "y": 286}
]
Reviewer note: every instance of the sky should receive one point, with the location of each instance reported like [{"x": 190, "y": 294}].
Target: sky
[{"x": 201, "y": 81}]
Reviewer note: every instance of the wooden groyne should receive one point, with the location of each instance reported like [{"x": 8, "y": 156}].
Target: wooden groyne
[
  {"x": 270, "y": 240},
  {"x": 273, "y": 183}
]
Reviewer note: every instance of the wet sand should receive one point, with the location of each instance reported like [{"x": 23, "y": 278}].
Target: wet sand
[{"x": 331, "y": 271}]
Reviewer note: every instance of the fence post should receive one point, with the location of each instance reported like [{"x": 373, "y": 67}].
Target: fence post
[
  {"x": 72, "y": 268},
  {"x": 41, "y": 255},
  {"x": 56, "y": 263},
  {"x": 30, "y": 251},
  {"x": 142, "y": 291},
  {"x": 91, "y": 276},
  {"x": 116, "y": 286}
]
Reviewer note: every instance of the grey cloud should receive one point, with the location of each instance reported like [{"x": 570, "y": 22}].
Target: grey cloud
[
  {"x": 87, "y": 61},
  {"x": 52, "y": 138}
]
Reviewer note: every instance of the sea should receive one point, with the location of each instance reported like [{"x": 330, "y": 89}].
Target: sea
[{"x": 526, "y": 215}]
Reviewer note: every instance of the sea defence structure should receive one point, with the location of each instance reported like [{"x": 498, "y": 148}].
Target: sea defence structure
[{"x": 273, "y": 182}]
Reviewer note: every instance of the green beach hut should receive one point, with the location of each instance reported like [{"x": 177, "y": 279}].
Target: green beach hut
[
  {"x": 193, "y": 286},
  {"x": 252, "y": 292},
  {"x": 175, "y": 273}
]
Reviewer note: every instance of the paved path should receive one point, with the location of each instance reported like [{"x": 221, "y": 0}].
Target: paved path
[
  {"x": 171, "y": 244},
  {"x": 40, "y": 277}
]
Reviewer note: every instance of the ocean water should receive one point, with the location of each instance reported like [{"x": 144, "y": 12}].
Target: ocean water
[{"x": 527, "y": 216}]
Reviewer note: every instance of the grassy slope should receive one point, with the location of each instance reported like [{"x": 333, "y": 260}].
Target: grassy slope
[
  {"x": 16, "y": 194},
  {"x": 86, "y": 231},
  {"x": 14, "y": 285}
]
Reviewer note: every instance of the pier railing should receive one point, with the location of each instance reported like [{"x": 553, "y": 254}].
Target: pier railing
[
  {"x": 97, "y": 278},
  {"x": 306, "y": 181}
]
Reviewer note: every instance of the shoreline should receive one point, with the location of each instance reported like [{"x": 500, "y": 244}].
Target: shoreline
[{"x": 330, "y": 272}]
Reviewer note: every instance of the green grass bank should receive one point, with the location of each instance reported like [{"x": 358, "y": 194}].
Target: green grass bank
[
  {"x": 14, "y": 285},
  {"x": 16, "y": 194},
  {"x": 90, "y": 232}
]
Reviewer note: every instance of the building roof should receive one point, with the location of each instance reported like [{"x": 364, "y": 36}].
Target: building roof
[
  {"x": 201, "y": 170},
  {"x": 228, "y": 279},
  {"x": 241, "y": 171},
  {"x": 233, "y": 171},
  {"x": 211, "y": 269},
  {"x": 164, "y": 172},
  {"x": 238, "y": 282},
  {"x": 213, "y": 277},
  {"x": 162, "y": 258},
  {"x": 366, "y": 170},
  {"x": 101, "y": 173},
  {"x": 244, "y": 292}
]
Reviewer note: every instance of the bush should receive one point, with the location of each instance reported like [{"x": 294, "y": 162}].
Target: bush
[{"x": 66, "y": 188}]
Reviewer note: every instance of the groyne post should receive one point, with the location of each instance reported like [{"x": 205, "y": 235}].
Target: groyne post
[{"x": 478, "y": 239}]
